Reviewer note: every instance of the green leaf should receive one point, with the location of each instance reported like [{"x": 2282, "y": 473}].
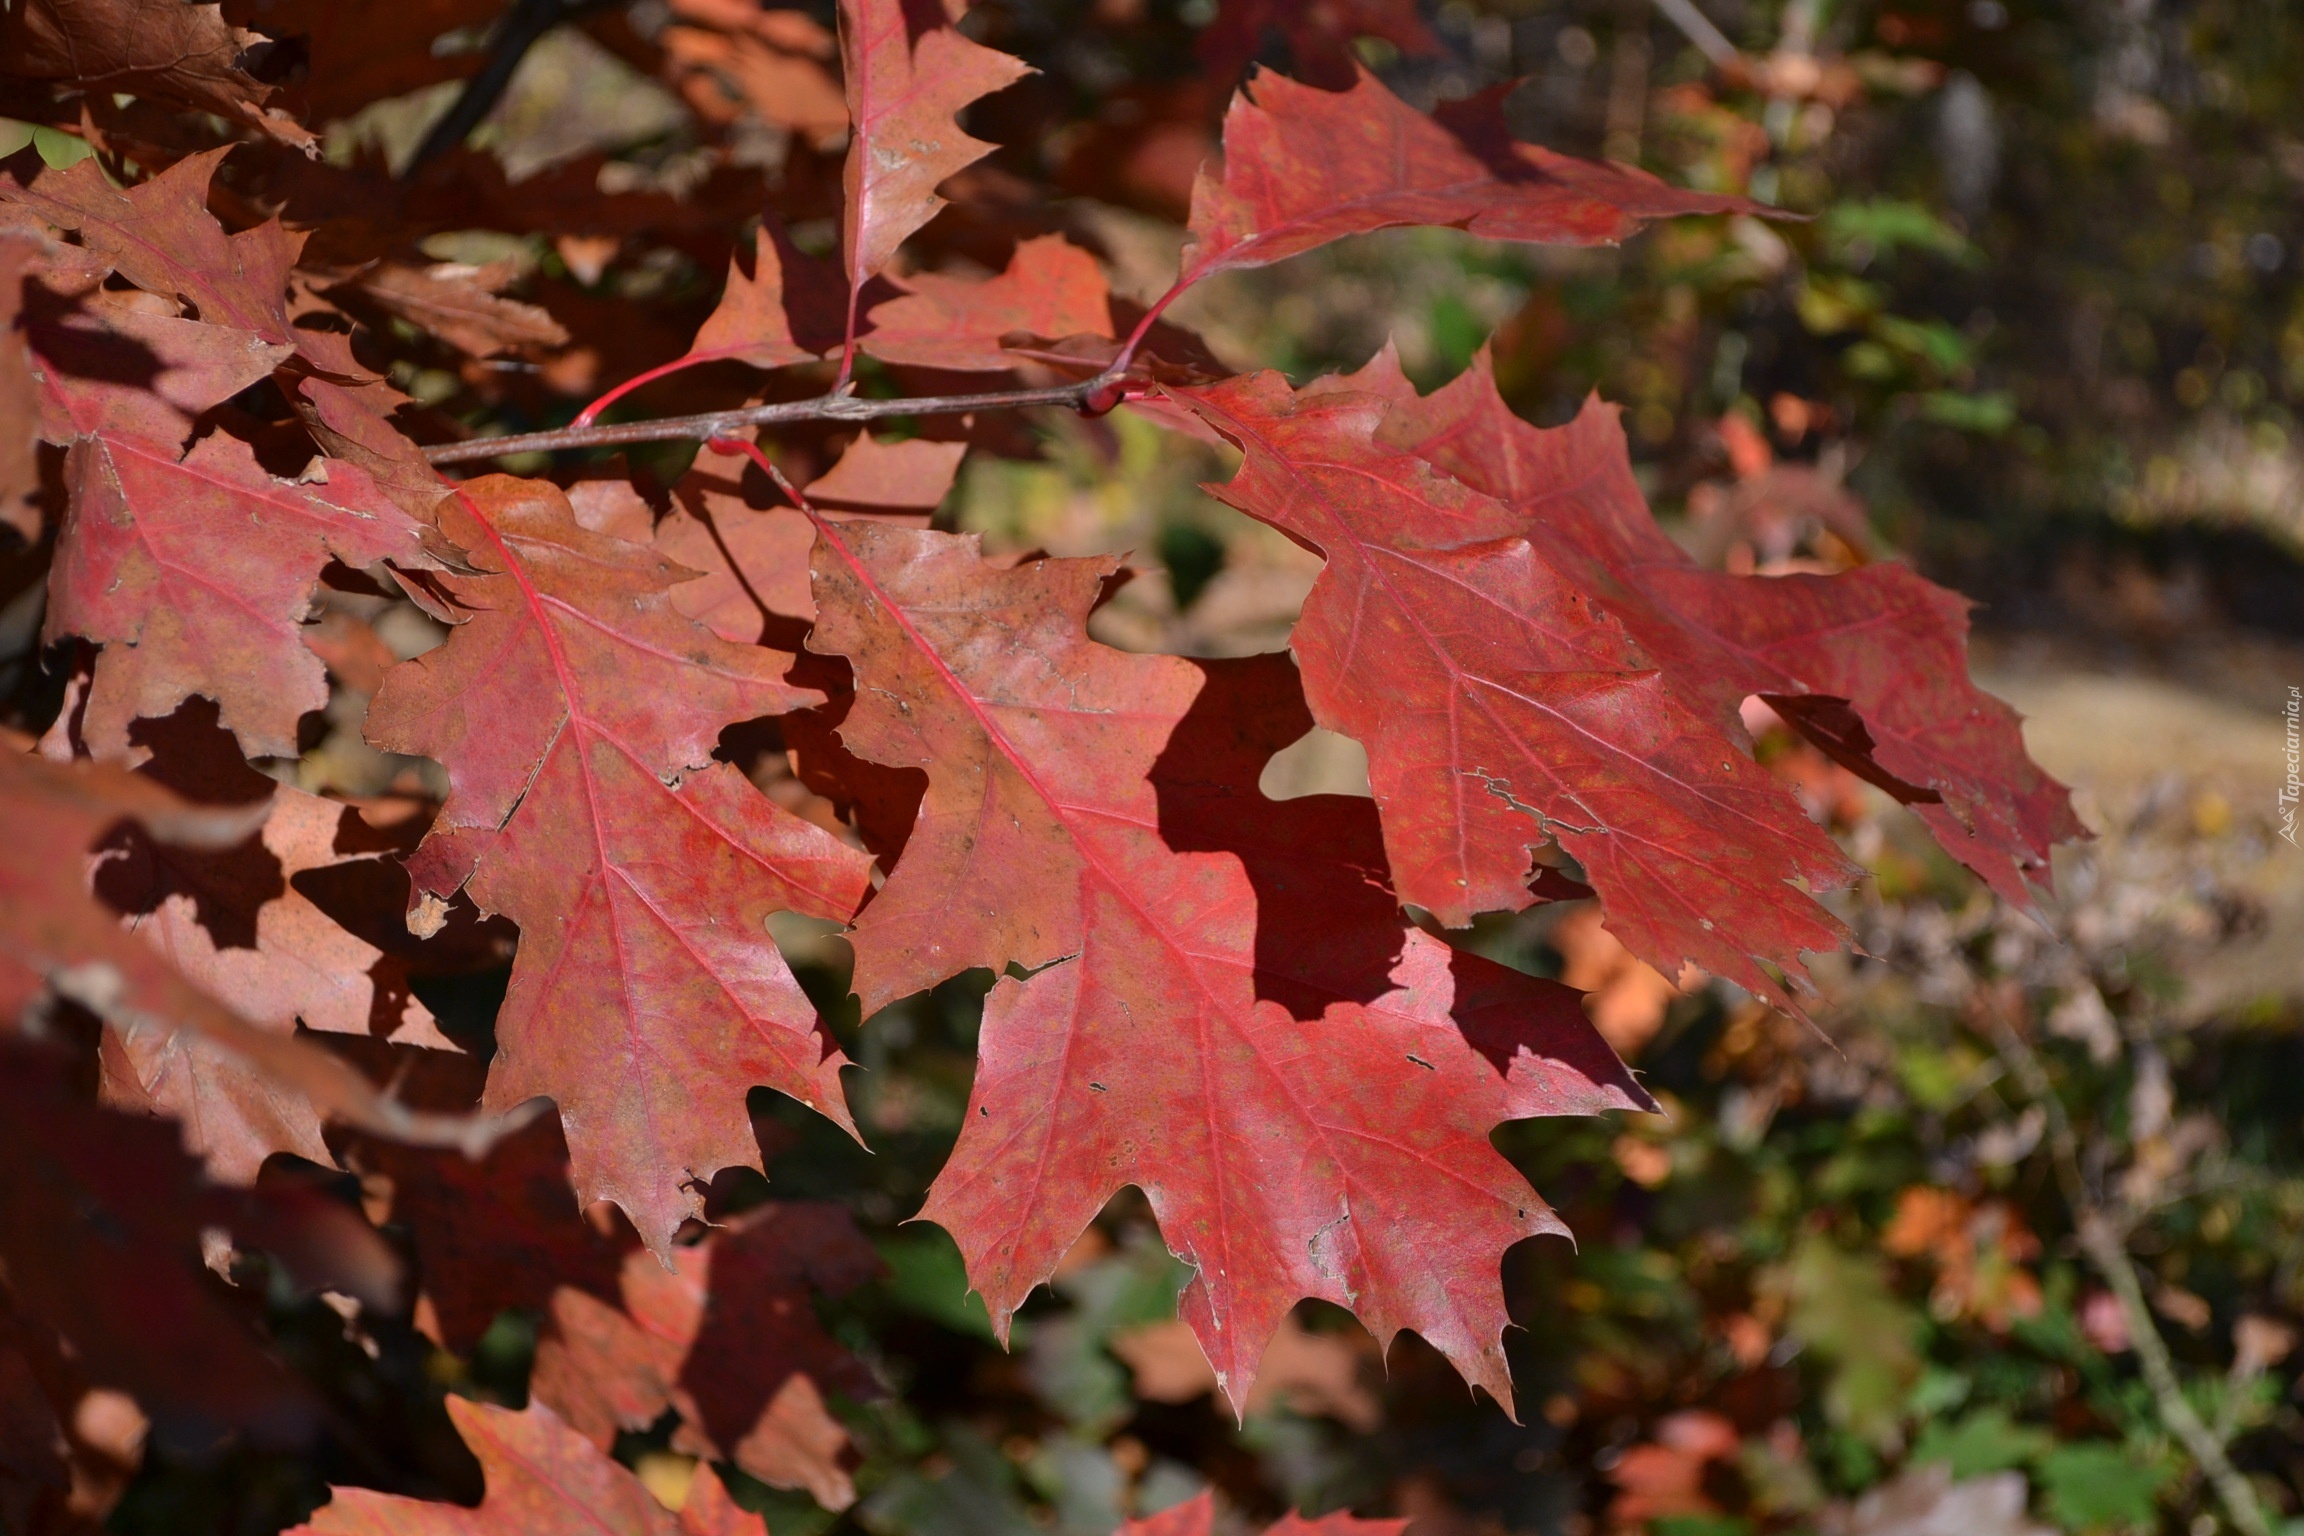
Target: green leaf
[
  {"x": 1839, "y": 1306},
  {"x": 2095, "y": 1486},
  {"x": 1987, "y": 1440},
  {"x": 1991, "y": 413},
  {"x": 1887, "y": 224},
  {"x": 926, "y": 1277}
]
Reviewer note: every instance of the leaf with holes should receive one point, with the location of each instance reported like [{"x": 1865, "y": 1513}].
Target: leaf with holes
[
  {"x": 1502, "y": 707},
  {"x": 1870, "y": 664}
]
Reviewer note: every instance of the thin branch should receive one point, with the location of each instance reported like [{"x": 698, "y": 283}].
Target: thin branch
[
  {"x": 2103, "y": 1243},
  {"x": 718, "y": 424},
  {"x": 1698, "y": 29}
]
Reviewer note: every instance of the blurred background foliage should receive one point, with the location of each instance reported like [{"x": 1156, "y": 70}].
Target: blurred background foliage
[{"x": 2018, "y": 1243}]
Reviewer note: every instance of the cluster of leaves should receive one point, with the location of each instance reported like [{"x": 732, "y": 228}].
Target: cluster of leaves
[{"x": 617, "y": 729}]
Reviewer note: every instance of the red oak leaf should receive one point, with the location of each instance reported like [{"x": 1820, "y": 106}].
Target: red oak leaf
[
  {"x": 1051, "y": 289},
  {"x": 904, "y": 94},
  {"x": 196, "y": 573},
  {"x": 160, "y": 236},
  {"x": 106, "y": 367},
  {"x": 728, "y": 1337},
  {"x": 755, "y": 587},
  {"x": 184, "y": 53},
  {"x": 753, "y": 560},
  {"x": 1320, "y": 35},
  {"x": 230, "y": 921},
  {"x": 751, "y": 323},
  {"x": 541, "y": 1476},
  {"x": 1226, "y": 1010},
  {"x": 54, "y": 934},
  {"x": 259, "y": 925},
  {"x": 1500, "y": 706},
  {"x": 19, "y": 394},
  {"x": 576, "y": 712},
  {"x": 910, "y": 476},
  {"x": 1303, "y": 167},
  {"x": 1870, "y": 664}
]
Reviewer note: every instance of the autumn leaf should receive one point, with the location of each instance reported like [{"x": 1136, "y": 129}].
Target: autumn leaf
[
  {"x": 185, "y": 53},
  {"x": 229, "y": 921},
  {"x": 904, "y": 93},
  {"x": 19, "y": 397},
  {"x": 54, "y": 934},
  {"x": 107, "y": 367},
  {"x": 196, "y": 572},
  {"x": 1224, "y": 1006},
  {"x": 1501, "y": 707},
  {"x": 1870, "y": 664},
  {"x": 750, "y": 324},
  {"x": 159, "y": 235},
  {"x": 576, "y": 712},
  {"x": 731, "y": 56},
  {"x": 541, "y": 1476},
  {"x": 872, "y": 474},
  {"x": 463, "y": 305},
  {"x": 1052, "y": 289},
  {"x": 728, "y": 1338},
  {"x": 1303, "y": 167}
]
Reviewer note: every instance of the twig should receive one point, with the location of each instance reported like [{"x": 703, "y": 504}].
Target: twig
[
  {"x": 2109, "y": 1253},
  {"x": 1698, "y": 29},
  {"x": 714, "y": 424}
]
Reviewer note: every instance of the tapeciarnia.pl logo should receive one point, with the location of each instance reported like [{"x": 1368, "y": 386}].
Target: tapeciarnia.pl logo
[{"x": 2293, "y": 711}]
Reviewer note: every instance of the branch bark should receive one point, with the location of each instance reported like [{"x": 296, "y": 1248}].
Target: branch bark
[
  {"x": 2107, "y": 1249},
  {"x": 1087, "y": 395}
]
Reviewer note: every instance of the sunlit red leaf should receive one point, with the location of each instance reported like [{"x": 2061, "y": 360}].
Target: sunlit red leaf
[
  {"x": 1052, "y": 289},
  {"x": 1501, "y": 706},
  {"x": 576, "y": 711},
  {"x": 1870, "y": 664},
  {"x": 750, "y": 324},
  {"x": 160, "y": 236},
  {"x": 909, "y": 476},
  {"x": 19, "y": 397},
  {"x": 904, "y": 94},
  {"x": 541, "y": 1476},
  {"x": 196, "y": 573},
  {"x": 1225, "y": 1009},
  {"x": 107, "y": 367},
  {"x": 54, "y": 934},
  {"x": 1303, "y": 167}
]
